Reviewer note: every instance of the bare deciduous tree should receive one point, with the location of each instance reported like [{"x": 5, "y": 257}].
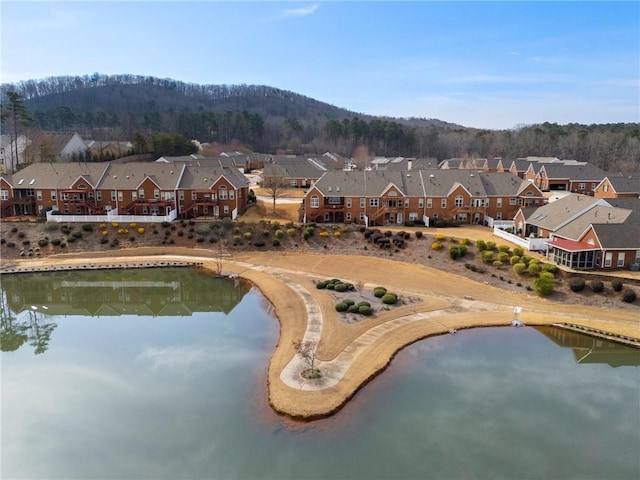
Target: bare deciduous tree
[
  {"x": 307, "y": 350},
  {"x": 276, "y": 186}
]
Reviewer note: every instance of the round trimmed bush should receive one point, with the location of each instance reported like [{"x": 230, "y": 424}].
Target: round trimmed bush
[
  {"x": 363, "y": 304},
  {"x": 341, "y": 307},
  {"x": 617, "y": 285},
  {"x": 379, "y": 291},
  {"x": 348, "y": 302},
  {"x": 497, "y": 263},
  {"x": 275, "y": 242},
  {"x": 543, "y": 286},
  {"x": 577, "y": 284},
  {"x": 519, "y": 268},
  {"x": 340, "y": 287},
  {"x": 628, "y": 295},
  {"x": 596, "y": 286},
  {"x": 43, "y": 242},
  {"x": 436, "y": 246},
  {"x": 321, "y": 285},
  {"x": 365, "y": 310},
  {"x": 518, "y": 251},
  {"x": 548, "y": 275},
  {"x": 503, "y": 256},
  {"x": 515, "y": 259},
  {"x": 353, "y": 309},
  {"x": 549, "y": 267},
  {"x": 533, "y": 268},
  {"x": 390, "y": 299}
]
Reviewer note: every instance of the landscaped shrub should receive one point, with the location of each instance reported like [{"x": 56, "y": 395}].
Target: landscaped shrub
[
  {"x": 275, "y": 242},
  {"x": 548, "y": 275},
  {"x": 487, "y": 256},
  {"x": 628, "y": 295},
  {"x": 533, "y": 268},
  {"x": 247, "y": 235},
  {"x": 465, "y": 241},
  {"x": 259, "y": 243},
  {"x": 463, "y": 250},
  {"x": 471, "y": 266},
  {"x": 515, "y": 259},
  {"x": 12, "y": 244},
  {"x": 279, "y": 233},
  {"x": 341, "y": 307},
  {"x": 43, "y": 242},
  {"x": 51, "y": 227},
  {"x": 525, "y": 259},
  {"x": 291, "y": 232},
  {"x": 141, "y": 230},
  {"x": 340, "y": 287},
  {"x": 454, "y": 252},
  {"x": 436, "y": 246},
  {"x": 379, "y": 291},
  {"x": 419, "y": 234},
  {"x": 321, "y": 285},
  {"x": 503, "y": 256},
  {"x": 503, "y": 248},
  {"x": 617, "y": 285},
  {"x": 348, "y": 302},
  {"x": 87, "y": 227},
  {"x": 353, "y": 309},
  {"x": 104, "y": 240},
  {"x": 165, "y": 224},
  {"x": 365, "y": 310},
  {"x": 518, "y": 251},
  {"x": 439, "y": 237},
  {"x": 237, "y": 239},
  {"x": 577, "y": 284},
  {"x": 519, "y": 268},
  {"x": 323, "y": 234},
  {"x": 596, "y": 286},
  {"x": 481, "y": 245},
  {"x": 549, "y": 267},
  {"x": 389, "y": 299},
  {"x": 363, "y": 304},
  {"x": 491, "y": 245},
  {"x": 56, "y": 241},
  {"x": 497, "y": 263},
  {"x": 543, "y": 286}
]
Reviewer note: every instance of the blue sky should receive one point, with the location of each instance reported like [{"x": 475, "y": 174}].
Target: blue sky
[{"x": 480, "y": 64}]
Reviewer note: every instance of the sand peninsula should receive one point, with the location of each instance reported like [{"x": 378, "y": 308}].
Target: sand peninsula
[{"x": 350, "y": 354}]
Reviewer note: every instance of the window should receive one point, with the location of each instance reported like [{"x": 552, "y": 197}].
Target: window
[
  {"x": 141, "y": 194},
  {"x": 529, "y": 193},
  {"x": 608, "y": 256},
  {"x": 435, "y": 216},
  {"x": 113, "y": 195},
  {"x": 499, "y": 216},
  {"x": 605, "y": 187},
  {"x": 226, "y": 209},
  {"x": 134, "y": 196},
  {"x": 156, "y": 193},
  {"x": 4, "y": 194},
  {"x": 294, "y": 182},
  {"x": 459, "y": 201},
  {"x": 362, "y": 216},
  {"x": 499, "y": 202},
  {"x": 334, "y": 200},
  {"x": 315, "y": 201},
  {"x": 363, "y": 203},
  {"x": 39, "y": 194},
  {"x": 443, "y": 203},
  {"x": 406, "y": 202},
  {"x": 373, "y": 202},
  {"x": 621, "y": 259},
  {"x": 181, "y": 195},
  {"x": 232, "y": 195},
  {"x": 54, "y": 195},
  {"x": 145, "y": 210},
  {"x": 429, "y": 203},
  {"x": 120, "y": 196},
  {"x": 222, "y": 192},
  {"x": 106, "y": 208},
  {"x": 348, "y": 216},
  {"x": 82, "y": 186},
  {"x": 581, "y": 186},
  {"x": 421, "y": 203},
  {"x": 637, "y": 256},
  {"x": 593, "y": 187},
  {"x": 413, "y": 216},
  {"x": 348, "y": 202},
  {"x": 513, "y": 201},
  {"x": 99, "y": 195}
]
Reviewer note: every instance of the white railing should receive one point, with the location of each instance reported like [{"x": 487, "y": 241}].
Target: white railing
[
  {"x": 112, "y": 216},
  {"x": 530, "y": 244},
  {"x": 491, "y": 222}
]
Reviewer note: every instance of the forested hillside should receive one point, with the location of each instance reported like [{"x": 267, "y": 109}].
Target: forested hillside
[{"x": 266, "y": 119}]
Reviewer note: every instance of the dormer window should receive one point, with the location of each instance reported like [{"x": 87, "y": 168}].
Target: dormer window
[{"x": 82, "y": 186}]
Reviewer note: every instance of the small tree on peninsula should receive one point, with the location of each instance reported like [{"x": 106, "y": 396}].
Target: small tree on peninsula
[{"x": 307, "y": 350}]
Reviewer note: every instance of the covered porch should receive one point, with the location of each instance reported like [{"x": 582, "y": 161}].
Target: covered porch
[{"x": 573, "y": 254}]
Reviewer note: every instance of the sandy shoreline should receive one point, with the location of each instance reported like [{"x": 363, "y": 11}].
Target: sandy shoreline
[{"x": 350, "y": 355}]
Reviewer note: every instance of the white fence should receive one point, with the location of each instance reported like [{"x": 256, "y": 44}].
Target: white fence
[
  {"x": 493, "y": 223},
  {"x": 531, "y": 244},
  {"x": 112, "y": 216}
]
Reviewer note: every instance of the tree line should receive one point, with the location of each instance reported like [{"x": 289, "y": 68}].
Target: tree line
[{"x": 268, "y": 120}]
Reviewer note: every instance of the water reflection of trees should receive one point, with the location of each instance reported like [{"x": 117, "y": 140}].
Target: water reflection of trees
[
  {"x": 32, "y": 327},
  {"x": 142, "y": 292}
]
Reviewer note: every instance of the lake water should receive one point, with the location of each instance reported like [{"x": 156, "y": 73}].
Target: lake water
[{"x": 161, "y": 374}]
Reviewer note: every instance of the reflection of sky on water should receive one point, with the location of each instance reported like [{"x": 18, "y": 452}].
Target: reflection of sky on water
[{"x": 179, "y": 397}]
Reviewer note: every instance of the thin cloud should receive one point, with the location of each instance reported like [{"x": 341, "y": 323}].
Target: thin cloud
[{"x": 301, "y": 12}]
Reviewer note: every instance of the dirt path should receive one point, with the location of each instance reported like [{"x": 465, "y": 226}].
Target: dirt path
[{"x": 350, "y": 354}]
